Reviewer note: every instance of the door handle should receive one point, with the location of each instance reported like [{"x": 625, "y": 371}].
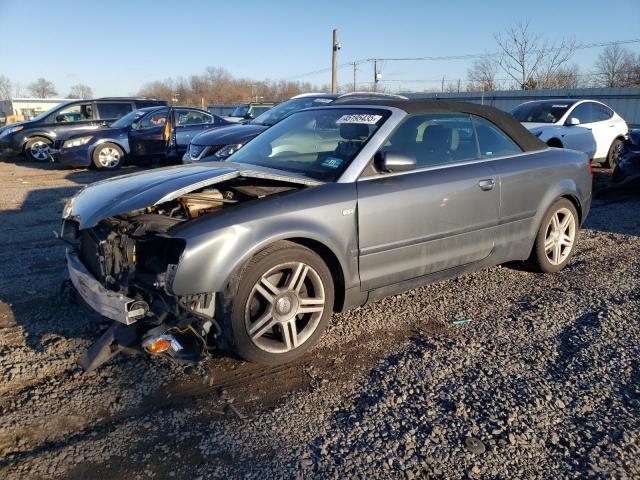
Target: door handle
[{"x": 487, "y": 184}]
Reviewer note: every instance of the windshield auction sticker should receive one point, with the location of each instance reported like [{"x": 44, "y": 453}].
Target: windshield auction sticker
[
  {"x": 331, "y": 162},
  {"x": 364, "y": 118}
]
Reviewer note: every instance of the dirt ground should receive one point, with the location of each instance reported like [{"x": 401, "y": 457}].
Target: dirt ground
[{"x": 138, "y": 417}]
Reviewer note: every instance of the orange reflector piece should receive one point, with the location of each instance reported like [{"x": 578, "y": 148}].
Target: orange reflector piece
[{"x": 160, "y": 345}]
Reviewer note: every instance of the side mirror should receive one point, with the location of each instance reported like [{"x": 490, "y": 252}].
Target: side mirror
[
  {"x": 392, "y": 162},
  {"x": 60, "y": 118},
  {"x": 248, "y": 116},
  {"x": 573, "y": 121}
]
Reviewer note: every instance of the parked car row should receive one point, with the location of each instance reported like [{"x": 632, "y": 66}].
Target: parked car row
[
  {"x": 154, "y": 132},
  {"x": 34, "y": 138},
  {"x": 329, "y": 208}
]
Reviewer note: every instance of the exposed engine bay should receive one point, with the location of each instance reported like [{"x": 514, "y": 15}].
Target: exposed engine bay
[{"x": 129, "y": 259}]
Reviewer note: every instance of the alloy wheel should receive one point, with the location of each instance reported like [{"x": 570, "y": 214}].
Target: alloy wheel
[
  {"x": 560, "y": 236},
  {"x": 285, "y": 307},
  {"x": 109, "y": 157},
  {"x": 39, "y": 150}
]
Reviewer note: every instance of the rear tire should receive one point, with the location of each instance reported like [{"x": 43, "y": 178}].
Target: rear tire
[
  {"x": 278, "y": 304},
  {"x": 614, "y": 152},
  {"x": 556, "y": 238},
  {"x": 107, "y": 156},
  {"x": 37, "y": 149}
]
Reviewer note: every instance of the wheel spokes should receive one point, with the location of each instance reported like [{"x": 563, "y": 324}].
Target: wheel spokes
[
  {"x": 566, "y": 241},
  {"x": 310, "y": 305},
  {"x": 297, "y": 277},
  {"x": 290, "y": 334},
  {"x": 262, "y": 325}
]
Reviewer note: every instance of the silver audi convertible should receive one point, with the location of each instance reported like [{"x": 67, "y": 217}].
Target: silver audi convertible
[{"x": 331, "y": 208}]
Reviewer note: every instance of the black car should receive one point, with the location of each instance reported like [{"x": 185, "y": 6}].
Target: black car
[
  {"x": 142, "y": 134},
  {"x": 34, "y": 138},
  {"x": 219, "y": 144}
]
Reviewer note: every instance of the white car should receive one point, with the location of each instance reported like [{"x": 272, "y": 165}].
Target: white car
[{"x": 585, "y": 125}]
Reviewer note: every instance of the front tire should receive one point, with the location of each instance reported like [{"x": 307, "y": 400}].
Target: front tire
[
  {"x": 107, "y": 156},
  {"x": 556, "y": 238},
  {"x": 614, "y": 153},
  {"x": 37, "y": 149},
  {"x": 278, "y": 305}
]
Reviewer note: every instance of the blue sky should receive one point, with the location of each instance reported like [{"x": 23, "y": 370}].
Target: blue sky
[{"x": 115, "y": 46}]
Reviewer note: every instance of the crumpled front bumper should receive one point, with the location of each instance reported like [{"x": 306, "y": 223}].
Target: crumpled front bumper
[{"x": 110, "y": 304}]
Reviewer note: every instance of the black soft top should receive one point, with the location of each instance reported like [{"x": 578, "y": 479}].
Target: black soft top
[{"x": 503, "y": 120}]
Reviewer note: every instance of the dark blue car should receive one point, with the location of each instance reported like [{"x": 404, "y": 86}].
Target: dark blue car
[{"x": 155, "y": 132}]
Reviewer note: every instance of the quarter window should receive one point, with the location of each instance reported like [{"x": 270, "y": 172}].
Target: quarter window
[
  {"x": 436, "y": 138},
  {"x": 602, "y": 112},
  {"x": 193, "y": 117},
  {"x": 492, "y": 141},
  {"x": 112, "y": 111}
]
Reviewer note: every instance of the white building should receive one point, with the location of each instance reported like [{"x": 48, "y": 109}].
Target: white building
[{"x": 26, "y": 108}]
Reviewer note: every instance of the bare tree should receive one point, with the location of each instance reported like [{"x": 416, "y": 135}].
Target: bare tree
[
  {"x": 614, "y": 65},
  {"x": 528, "y": 59},
  {"x": 81, "y": 91},
  {"x": 42, "y": 88},
  {"x": 481, "y": 77},
  {"x": 217, "y": 85},
  {"x": 5, "y": 88}
]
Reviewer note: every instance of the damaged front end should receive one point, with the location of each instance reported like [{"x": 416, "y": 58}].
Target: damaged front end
[
  {"x": 123, "y": 266},
  {"x": 626, "y": 174}
]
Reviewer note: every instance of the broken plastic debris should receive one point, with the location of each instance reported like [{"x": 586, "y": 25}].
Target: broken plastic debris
[{"x": 462, "y": 321}]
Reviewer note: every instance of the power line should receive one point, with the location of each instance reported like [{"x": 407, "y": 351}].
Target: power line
[{"x": 469, "y": 56}]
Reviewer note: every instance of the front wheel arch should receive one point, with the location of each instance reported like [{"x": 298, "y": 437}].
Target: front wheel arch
[{"x": 554, "y": 142}]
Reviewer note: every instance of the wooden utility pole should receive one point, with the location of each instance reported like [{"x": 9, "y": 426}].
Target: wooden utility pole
[
  {"x": 375, "y": 75},
  {"x": 354, "y": 76},
  {"x": 334, "y": 62}
]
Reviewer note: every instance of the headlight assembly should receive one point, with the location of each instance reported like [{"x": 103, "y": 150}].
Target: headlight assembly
[
  {"x": 76, "y": 142},
  {"x": 228, "y": 150},
  {"x": 10, "y": 130}
]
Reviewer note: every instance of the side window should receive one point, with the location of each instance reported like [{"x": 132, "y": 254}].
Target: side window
[
  {"x": 75, "y": 113},
  {"x": 436, "y": 138},
  {"x": 584, "y": 113},
  {"x": 155, "y": 119},
  {"x": 602, "y": 112},
  {"x": 493, "y": 142},
  {"x": 193, "y": 117},
  {"x": 113, "y": 111}
]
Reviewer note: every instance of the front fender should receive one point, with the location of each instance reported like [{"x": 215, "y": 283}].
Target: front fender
[{"x": 217, "y": 245}]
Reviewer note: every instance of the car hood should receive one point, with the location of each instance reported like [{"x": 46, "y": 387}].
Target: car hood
[
  {"x": 533, "y": 125},
  {"x": 228, "y": 135},
  {"x": 144, "y": 189}
]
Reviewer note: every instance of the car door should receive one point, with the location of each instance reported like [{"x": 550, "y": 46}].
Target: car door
[
  {"x": 72, "y": 119},
  {"x": 435, "y": 217},
  {"x": 147, "y": 136},
  {"x": 586, "y": 114},
  {"x": 605, "y": 128},
  {"x": 188, "y": 123}
]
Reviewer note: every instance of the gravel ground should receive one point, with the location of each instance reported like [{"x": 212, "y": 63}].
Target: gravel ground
[{"x": 501, "y": 373}]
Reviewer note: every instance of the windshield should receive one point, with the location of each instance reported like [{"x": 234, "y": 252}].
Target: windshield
[
  {"x": 128, "y": 119},
  {"x": 318, "y": 143},
  {"x": 277, "y": 113},
  {"x": 240, "y": 111},
  {"x": 541, "y": 112},
  {"x": 43, "y": 115}
]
